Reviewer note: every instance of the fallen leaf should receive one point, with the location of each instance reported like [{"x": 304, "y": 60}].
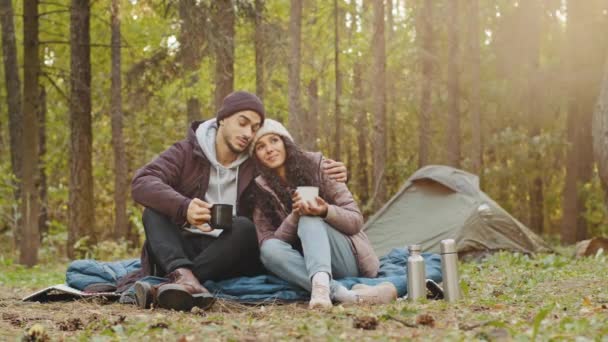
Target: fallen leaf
[
  {"x": 366, "y": 323},
  {"x": 587, "y": 301},
  {"x": 425, "y": 319},
  {"x": 159, "y": 325},
  {"x": 36, "y": 333}
]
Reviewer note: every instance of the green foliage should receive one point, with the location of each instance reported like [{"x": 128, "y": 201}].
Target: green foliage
[
  {"x": 156, "y": 88},
  {"x": 539, "y": 318},
  {"x": 510, "y": 168},
  {"x": 9, "y": 209},
  {"x": 596, "y": 213}
]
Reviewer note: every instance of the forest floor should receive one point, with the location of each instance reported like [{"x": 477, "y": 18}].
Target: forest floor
[{"x": 507, "y": 296}]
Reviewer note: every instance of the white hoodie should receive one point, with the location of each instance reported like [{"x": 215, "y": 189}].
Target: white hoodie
[{"x": 223, "y": 181}]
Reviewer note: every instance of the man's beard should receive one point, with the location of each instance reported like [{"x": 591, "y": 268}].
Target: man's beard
[{"x": 235, "y": 149}]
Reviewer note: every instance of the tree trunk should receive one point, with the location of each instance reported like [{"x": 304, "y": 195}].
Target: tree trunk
[
  {"x": 362, "y": 140},
  {"x": 475, "y": 96},
  {"x": 13, "y": 99},
  {"x": 121, "y": 184},
  {"x": 313, "y": 115},
  {"x": 224, "y": 50},
  {"x": 43, "y": 225},
  {"x": 193, "y": 108},
  {"x": 390, "y": 19},
  {"x": 600, "y": 131},
  {"x": 81, "y": 209},
  {"x": 379, "y": 104},
  {"x": 191, "y": 42},
  {"x": 30, "y": 241},
  {"x": 337, "y": 115},
  {"x": 453, "y": 127},
  {"x": 259, "y": 48},
  {"x": 393, "y": 153},
  {"x": 583, "y": 78},
  {"x": 293, "y": 64},
  {"x": 533, "y": 12},
  {"x": 425, "y": 37}
]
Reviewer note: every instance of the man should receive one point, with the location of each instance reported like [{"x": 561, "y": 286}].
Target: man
[{"x": 178, "y": 189}]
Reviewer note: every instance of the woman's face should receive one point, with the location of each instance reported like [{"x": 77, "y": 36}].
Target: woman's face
[{"x": 270, "y": 151}]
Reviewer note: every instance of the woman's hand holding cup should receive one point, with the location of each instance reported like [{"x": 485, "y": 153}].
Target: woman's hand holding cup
[
  {"x": 318, "y": 207},
  {"x": 306, "y": 201}
]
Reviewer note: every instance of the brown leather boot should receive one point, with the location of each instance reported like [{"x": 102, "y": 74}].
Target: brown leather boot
[
  {"x": 185, "y": 277},
  {"x": 183, "y": 292},
  {"x": 145, "y": 294}
]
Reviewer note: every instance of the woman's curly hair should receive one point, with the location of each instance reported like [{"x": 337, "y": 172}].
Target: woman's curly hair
[{"x": 300, "y": 171}]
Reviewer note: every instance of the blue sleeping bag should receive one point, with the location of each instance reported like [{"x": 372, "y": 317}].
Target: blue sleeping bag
[{"x": 82, "y": 273}]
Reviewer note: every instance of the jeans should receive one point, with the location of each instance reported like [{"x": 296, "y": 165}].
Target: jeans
[
  {"x": 324, "y": 249},
  {"x": 234, "y": 253}
]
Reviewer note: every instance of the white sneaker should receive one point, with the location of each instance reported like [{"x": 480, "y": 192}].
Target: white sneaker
[{"x": 319, "y": 298}]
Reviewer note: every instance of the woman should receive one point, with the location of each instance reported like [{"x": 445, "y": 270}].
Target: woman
[{"x": 307, "y": 243}]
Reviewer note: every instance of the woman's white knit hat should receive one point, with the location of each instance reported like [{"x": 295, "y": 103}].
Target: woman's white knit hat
[{"x": 269, "y": 126}]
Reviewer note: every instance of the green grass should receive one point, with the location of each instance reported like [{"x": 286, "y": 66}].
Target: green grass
[
  {"x": 18, "y": 276},
  {"x": 508, "y": 296}
]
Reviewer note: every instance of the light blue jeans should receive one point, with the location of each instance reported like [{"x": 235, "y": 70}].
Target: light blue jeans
[{"x": 325, "y": 250}]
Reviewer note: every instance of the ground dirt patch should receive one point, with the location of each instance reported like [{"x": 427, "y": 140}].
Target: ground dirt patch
[{"x": 507, "y": 296}]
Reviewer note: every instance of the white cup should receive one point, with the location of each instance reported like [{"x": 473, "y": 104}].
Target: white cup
[{"x": 308, "y": 193}]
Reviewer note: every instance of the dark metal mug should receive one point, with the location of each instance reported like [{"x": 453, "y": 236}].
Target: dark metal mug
[{"x": 221, "y": 216}]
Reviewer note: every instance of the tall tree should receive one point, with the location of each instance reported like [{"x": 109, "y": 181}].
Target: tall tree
[
  {"x": 81, "y": 206},
  {"x": 191, "y": 40},
  {"x": 475, "y": 93},
  {"x": 224, "y": 50},
  {"x": 42, "y": 180},
  {"x": 583, "y": 77},
  {"x": 313, "y": 115},
  {"x": 337, "y": 115},
  {"x": 259, "y": 48},
  {"x": 532, "y": 11},
  {"x": 453, "y": 127},
  {"x": 390, "y": 19},
  {"x": 359, "y": 108},
  {"x": 424, "y": 28},
  {"x": 29, "y": 195},
  {"x": 600, "y": 133},
  {"x": 392, "y": 127},
  {"x": 378, "y": 47},
  {"x": 13, "y": 98},
  {"x": 293, "y": 65},
  {"x": 121, "y": 223},
  {"x": 362, "y": 138}
]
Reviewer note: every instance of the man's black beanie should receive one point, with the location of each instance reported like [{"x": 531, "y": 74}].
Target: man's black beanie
[{"x": 239, "y": 101}]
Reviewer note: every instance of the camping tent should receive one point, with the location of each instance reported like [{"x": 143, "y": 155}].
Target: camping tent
[{"x": 440, "y": 202}]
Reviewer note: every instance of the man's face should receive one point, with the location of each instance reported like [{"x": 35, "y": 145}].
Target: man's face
[{"x": 238, "y": 130}]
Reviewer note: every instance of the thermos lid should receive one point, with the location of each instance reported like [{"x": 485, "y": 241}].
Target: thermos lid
[
  {"x": 414, "y": 248},
  {"x": 448, "y": 246}
]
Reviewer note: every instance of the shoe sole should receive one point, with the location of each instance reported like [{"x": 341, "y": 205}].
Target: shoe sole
[
  {"x": 143, "y": 295},
  {"x": 203, "y": 300},
  {"x": 174, "y": 297}
]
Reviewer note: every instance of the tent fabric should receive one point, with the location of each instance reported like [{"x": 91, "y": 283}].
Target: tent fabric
[{"x": 440, "y": 202}]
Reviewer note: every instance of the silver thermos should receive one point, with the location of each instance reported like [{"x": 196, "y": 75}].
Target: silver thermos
[
  {"x": 449, "y": 269},
  {"x": 416, "y": 274}
]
